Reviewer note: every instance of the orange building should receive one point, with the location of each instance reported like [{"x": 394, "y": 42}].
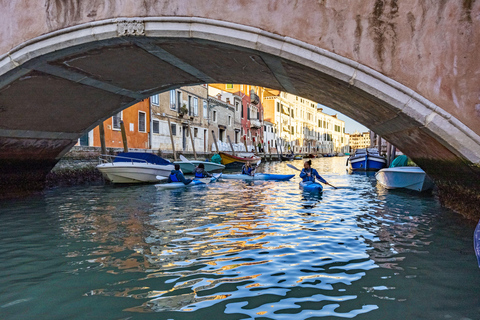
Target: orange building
[{"x": 137, "y": 126}]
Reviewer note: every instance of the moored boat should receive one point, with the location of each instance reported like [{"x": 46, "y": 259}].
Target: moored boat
[
  {"x": 297, "y": 157},
  {"x": 230, "y": 160},
  {"x": 366, "y": 160},
  {"x": 412, "y": 178},
  {"x": 311, "y": 186},
  {"x": 288, "y": 157},
  {"x": 189, "y": 166},
  {"x": 259, "y": 176},
  {"x": 134, "y": 167}
]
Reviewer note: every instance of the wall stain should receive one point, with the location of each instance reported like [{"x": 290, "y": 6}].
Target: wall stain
[
  {"x": 467, "y": 8},
  {"x": 383, "y": 29},
  {"x": 358, "y": 35},
  {"x": 64, "y": 13}
]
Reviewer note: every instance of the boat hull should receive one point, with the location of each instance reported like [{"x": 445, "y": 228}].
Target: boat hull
[
  {"x": 259, "y": 176},
  {"x": 230, "y": 160},
  {"x": 310, "y": 186},
  {"x": 366, "y": 162},
  {"x": 124, "y": 172},
  {"x": 189, "y": 167},
  {"x": 412, "y": 178}
]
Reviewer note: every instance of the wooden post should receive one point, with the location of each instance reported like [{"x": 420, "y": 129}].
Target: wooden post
[
  {"x": 215, "y": 140},
  {"x": 394, "y": 151},
  {"x": 124, "y": 136},
  {"x": 193, "y": 142},
  {"x": 231, "y": 145},
  {"x": 255, "y": 145},
  {"x": 379, "y": 144},
  {"x": 171, "y": 139},
  {"x": 278, "y": 153},
  {"x": 389, "y": 150},
  {"x": 102, "y": 138},
  {"x": 245, "y": 142}
]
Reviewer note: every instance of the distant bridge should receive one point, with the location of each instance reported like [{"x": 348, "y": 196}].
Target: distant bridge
[{"x": 408, "y": 70}]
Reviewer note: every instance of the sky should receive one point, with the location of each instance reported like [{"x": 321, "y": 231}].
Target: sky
[{"x": 350, "y": 125}]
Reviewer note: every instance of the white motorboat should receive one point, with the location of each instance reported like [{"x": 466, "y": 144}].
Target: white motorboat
[
  {"x": 189, "y": 166},
  {"x": 412, "y": 178},
  {"x": 134, "y": 167}
]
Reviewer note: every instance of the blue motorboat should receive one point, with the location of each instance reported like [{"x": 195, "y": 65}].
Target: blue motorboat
[{"x": 366, "y": 160}]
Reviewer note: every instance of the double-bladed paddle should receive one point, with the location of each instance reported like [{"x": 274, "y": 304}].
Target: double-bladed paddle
[{"x": 295, "y": 168}]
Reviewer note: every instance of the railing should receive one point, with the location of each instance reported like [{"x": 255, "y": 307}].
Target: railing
[{"x": 106, "y": 158}]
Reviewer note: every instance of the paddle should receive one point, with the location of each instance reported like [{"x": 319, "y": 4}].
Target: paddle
[
  {"x": 256, "y": 166},
  {"x": 295, "y": 168}
]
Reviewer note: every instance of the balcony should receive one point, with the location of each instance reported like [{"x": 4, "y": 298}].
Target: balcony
[{"x": 254, "y": 123}]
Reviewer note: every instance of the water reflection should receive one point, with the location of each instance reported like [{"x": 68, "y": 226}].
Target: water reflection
[{"x": 237, "y": 250}]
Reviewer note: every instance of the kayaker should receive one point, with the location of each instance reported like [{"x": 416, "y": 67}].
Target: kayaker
[
  {"x": 247, "y": 169},
  {"x": 177, "y": 176},
  {"x": 200, "y": 172},
  {"x": 309, "y": 174}
]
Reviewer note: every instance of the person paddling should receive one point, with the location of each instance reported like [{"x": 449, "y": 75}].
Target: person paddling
[
  {"x": 200, "y": 172},
  {"x": 247, "y": 169},
  {"x": 309, "y": 174},
  {"x": 177, "y": 176}
]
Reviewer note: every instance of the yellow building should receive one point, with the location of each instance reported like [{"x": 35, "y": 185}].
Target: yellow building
[{"x": 359, "y": 140}]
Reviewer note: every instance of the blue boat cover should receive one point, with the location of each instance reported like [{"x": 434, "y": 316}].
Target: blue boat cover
[{"x": 142, "y": 157}]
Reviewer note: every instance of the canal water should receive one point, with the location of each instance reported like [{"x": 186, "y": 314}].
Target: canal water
[{"x": 236, "y": 250}]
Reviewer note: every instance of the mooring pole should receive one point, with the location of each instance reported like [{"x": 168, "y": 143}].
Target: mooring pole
[
  {"x": 231, "y": 145},
  {"x": 215, "y": 140},
  {"x": 124, "y": 136},
  {"x": 171, "y": 139},
  {"x": 193, "y": 143},
  {"x": 102, "y": 139}
]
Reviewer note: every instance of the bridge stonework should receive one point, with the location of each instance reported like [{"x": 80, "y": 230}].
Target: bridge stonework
[{"x": 407, "y": 69}]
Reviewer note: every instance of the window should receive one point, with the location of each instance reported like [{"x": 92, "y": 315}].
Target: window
[
  {"x": 154, "y": 100},
  {"x": 205, "y": 109},
  {"x": 195, "y": 132},
  {"x": 237, "y": 106},
  {"x": 229, "y": 120},
  {"x": 173, "y": 126},
  {"x": 214, "y": 116},
  {"x": 155, "y": 126},
  {"x": 189, "y": 106},
  {"x": 195, "y": 106},
  {"x": 229, "y": 86},
  {"x": 142, "y": 118},
  {"x": 116, "y": 120},
  {"x": 179, "y": 100},
  {"x": 278, "y": 106},
  {"x": 172, "y": 100}
]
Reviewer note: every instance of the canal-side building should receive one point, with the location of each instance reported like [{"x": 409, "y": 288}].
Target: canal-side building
[
  {"x": 251, "y": 110},
  {"x": 187, "y": 110},
  {"x": 224, "y": 119},
  {"x": 359, "y": 140},
  {"x": 136, "y": 120}
]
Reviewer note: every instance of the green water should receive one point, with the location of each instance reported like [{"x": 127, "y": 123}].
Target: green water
[{"x": 236, "y": 250}]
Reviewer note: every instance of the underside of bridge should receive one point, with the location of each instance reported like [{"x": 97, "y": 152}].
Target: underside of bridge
[{"x": 55, "y": 89}]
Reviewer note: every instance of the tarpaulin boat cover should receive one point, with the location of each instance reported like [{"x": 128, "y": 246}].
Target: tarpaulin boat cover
[
  {"x": 141, "y": 157},
  {"x": 400, "y": 161}
]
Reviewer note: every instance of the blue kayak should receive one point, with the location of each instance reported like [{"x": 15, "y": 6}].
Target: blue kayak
[
  {"x": 259, "y": 176},
  {"x": 195, "y": 182},
  {"x": 311, "y": 186},
  {"x": 476, "y": 242}
]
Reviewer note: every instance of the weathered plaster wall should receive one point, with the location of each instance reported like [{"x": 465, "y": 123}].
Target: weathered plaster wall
[{"x": 429, "y": 46}]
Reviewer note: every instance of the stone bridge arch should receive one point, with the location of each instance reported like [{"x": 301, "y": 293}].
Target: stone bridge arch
[{"x": 82, "y": 64}]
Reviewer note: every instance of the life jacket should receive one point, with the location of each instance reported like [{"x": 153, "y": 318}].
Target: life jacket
[
  {"x": 311, "y": 178},
  {"x": 199, "y": 174},
  {"x": 173, "y": 177},
  {"x": 247, "y": 171}
]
